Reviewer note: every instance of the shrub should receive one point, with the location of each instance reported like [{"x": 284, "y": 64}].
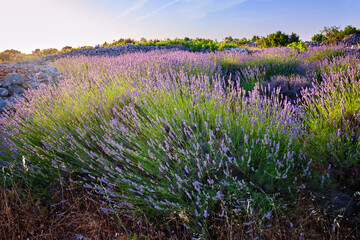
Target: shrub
[
  {"x": 278, "y": 39},
  {"x": 300, "y": 46},
  {"x": 46, "y": 51},
  {"x": 159, "y": 136},
  {"x": 318, "y": 38},
  {"x": 347, "y": 31},
  {"x": 8, "y": 55},
  {"x": 66, "y": 49},
  {"x": 331, "y": 109},
  {"x": 331, "y": 34}
]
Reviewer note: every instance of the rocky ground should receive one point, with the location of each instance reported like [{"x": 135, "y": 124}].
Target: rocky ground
[{"x": 16, "y": 77}]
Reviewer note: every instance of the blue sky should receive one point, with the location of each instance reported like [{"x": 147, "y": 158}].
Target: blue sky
[{"x": 27, "y": 25}]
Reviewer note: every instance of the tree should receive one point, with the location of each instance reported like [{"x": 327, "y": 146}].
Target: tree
[
  {"x": 277, "y": 39},
  {"x": 242, "y": 41},
  {"x": 347, "y": 31},
  {"x": 66, "y": 48},
  {"x": 8, "y": 55},
  {"x": 229, "y": 39},
  {"x": 318, "y": 38},
  {"x": 331, "y": 34},
  {"x": 36, "y": 51},
  {"x": 293, "y": 38},
  {"x": 255, "y": 38}
]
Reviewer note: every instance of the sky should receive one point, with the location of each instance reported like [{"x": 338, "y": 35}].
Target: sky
[{"x": 30, "y": 24}]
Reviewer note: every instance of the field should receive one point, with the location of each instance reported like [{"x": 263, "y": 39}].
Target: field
[{"x": 174, "y": 144}]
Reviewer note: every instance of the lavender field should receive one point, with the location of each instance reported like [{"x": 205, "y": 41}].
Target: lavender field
[{"x": 196, "y": 140}]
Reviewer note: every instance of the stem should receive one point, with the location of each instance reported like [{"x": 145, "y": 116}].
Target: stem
[{"x": 123, "y": 226}]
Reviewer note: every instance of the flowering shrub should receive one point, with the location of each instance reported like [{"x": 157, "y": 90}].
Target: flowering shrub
[
  {"x": 170, "y": 135},
  {"x": 332, "y": 108},
  {"x": 300, "y": 46}
]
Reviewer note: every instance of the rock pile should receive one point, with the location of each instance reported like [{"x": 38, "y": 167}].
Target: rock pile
[
  {"x": 352, "y": 39},
  {"x": 119, "y": 50},
  {"x": 238, "y": 50},
  {"x": 16, "y": 77}
]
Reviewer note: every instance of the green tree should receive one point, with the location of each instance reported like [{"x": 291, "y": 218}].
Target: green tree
[
  {"x": 255, "y": 38},
  {"x": 36, "y": 51},
  {"x": 293, "y": 38},
  {"x": 48, "y": 51},
  {"x": 9, "y": 55},
  {"x": 318, "y": 38},
  {"x": 347, "y": 31},
  {"x": 277, "y": 39},
  {"x": 66, "y": 48},
  {"x": 331, "y": 34},
  {"x": 229, "y": 39}
]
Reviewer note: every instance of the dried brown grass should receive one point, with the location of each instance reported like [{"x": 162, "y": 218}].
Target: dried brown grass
[{"x": 27, "y": 216}]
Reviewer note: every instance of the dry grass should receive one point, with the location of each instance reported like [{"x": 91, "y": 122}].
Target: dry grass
[{"x": 79, "y": 217}]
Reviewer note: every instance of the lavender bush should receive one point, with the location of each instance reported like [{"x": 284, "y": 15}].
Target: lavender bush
[
  {"x": 171, "y": 135},
  {"x": 332, "y": 108}
]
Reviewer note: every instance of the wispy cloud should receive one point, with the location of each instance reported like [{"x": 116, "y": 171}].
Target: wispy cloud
[
  {"x": 135, "y": 7},
  {"x": 196, "y": 9},
  {"x": 158, "y": 10},
  {"x": 300, "y": 13}
]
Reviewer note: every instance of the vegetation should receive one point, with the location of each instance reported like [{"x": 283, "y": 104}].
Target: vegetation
[
  {"x": 277, "y": 39},
  {"x": 329, "y": 35},
  {"x": 318, "y": 38},
  {"x": 14, "y": 55},
  {"x": 332, "y": 35},
  {"x": 203, "y": 145},
  {"x": 300, "y": 46},
  {"x": 45, "y": 51}
]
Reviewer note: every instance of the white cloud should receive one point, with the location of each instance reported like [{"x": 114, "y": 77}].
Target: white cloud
[{"x": 139, "y": 4}]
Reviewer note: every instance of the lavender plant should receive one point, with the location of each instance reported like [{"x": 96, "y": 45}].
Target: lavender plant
[
  {"x": 161, "y": 135},
  {"x": 332, "y": 108},
  {"x": 188, "y": 136}
]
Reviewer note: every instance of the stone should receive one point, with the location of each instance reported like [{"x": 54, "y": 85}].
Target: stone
[
  {"x": 42, "y": 76},
  {"x": 2, "y": 104},
  {"x": 15, "y": 90},
  {"x": 352, "y": 39},
  {"x": 13, "y": 79},
  {"x": 3, "y": 92},
  {"x": 252, "y": 44},
  {"x": 239, "y": 50}
]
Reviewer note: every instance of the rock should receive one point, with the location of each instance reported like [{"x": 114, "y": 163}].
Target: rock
[
  {"x": 252, "y": 44},
  {"x": 239, "y": 50},
  {"x": 352, "y": 39},
  {"x": 42, "y": 76},
  {"x": 3, "y": 92},
  {"x": 2, "y": 104},
  {"x": 33, "y": 85},
  {"x": 314, "y": 44},
  {"x": 13, "y": 79},
  {"x": 15, "y": 90}
]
